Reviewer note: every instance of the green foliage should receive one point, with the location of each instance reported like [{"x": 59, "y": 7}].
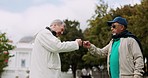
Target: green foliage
[
  {"x": 4, "y": 54},
  {"x": 71, "y": 33},
  {"x": 99, "y": 33}
]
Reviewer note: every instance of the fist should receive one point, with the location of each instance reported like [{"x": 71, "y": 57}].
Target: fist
[
  {"x": 79, "y": 42},
  {"x": 86, "y": 44}
]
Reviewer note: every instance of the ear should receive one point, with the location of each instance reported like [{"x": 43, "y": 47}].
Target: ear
[{"x": 122, "y": 27}]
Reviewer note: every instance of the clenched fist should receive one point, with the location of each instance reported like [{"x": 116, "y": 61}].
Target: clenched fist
[
  {"x": 79, "y": 42},
  {"x": 86, "y": 44}
]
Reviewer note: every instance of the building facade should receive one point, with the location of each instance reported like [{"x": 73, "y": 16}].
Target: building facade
[{"x": 18, "y": 65}]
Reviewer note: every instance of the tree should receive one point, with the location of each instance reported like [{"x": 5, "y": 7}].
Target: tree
[
  {"x": 71, "y": 33},
  {"x": 98, "y": 33},
  {"x": 5, "y": 46}
]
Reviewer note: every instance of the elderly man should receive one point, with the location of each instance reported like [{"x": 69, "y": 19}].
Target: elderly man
[
  {"x": 45, "y": 60},
  {"x": 125, "y": 59}
]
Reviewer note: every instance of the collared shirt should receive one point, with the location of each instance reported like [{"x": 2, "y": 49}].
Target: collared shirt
[{"x": 114, "y": 59}]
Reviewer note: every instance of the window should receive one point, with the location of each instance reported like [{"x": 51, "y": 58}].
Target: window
[{"x": 23, "y": 63}]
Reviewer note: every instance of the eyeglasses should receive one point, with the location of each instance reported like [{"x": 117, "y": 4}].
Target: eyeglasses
[{"x": 113, "y": 26}]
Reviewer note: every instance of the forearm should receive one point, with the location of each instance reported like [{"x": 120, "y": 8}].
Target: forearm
[
  {"x": 139, "y": 65},
  {"x": 94, "y": 50}
]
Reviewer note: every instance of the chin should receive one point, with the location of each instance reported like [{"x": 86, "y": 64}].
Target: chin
[{"x": 58, "y": 35}]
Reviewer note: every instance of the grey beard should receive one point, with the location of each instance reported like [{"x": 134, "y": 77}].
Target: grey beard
[{"x": 114, "y": 33}]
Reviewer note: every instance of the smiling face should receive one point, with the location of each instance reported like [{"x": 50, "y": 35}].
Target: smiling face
[{"x": 117, "y": 28}]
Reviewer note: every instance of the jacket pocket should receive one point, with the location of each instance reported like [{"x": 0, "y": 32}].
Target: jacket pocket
[
  {"x": 130, "y": 62},
  {"x": 53, "y": 61}
]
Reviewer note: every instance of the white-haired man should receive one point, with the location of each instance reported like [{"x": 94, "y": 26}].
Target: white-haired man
[{"x": 45, "y": 60}]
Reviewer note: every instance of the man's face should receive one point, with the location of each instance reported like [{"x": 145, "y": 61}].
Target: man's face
[
  {"x": 60, "y": 29},
  {"x": 116, "y": 28}
]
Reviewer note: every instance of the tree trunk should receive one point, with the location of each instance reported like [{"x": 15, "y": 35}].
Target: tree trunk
[{"x": 74, "y": 70}]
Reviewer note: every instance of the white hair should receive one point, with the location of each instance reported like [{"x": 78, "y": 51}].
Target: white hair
[{"x": 57, "y": 22}]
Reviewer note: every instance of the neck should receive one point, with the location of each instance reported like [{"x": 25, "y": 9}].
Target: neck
[{"x": 52, "y": 31}]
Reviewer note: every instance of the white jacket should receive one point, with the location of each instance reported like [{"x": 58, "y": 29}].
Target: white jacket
[{"x": 45, "y": 60}]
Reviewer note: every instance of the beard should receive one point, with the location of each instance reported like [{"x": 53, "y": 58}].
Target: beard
[{"x": 114, "y": 33}]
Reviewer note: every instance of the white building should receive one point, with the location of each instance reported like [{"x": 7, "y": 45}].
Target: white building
[{"x": 18, "y": 66}]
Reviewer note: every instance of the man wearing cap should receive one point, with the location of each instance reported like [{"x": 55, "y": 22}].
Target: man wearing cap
[{"x": 125, "y": 59}]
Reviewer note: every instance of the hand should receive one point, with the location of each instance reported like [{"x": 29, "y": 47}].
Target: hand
[
  {"x": 79, "y": 42},
  {"x": 86, "y": 44},
  {"x": 137, "y": 76}
]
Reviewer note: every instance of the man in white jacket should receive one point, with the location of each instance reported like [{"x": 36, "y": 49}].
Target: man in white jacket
[{"x": 45, "y": 60}]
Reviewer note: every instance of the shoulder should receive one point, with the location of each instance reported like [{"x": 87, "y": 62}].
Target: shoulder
[
  {"x": 128, "y": 39},
  {"x": 44, "y": 31}
]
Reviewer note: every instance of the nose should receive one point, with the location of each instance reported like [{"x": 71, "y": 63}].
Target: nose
[{"x": 112, "y": 28}]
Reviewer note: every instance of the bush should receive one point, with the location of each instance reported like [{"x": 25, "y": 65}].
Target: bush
[{"x": 5, "y": 46}]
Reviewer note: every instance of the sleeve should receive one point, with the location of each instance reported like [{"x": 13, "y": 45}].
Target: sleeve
[
  {"x": 138, "y": 58},
  {"x": 137, "y": 76},
  {"x": 104, "y": 51},
  {"x": 53, "y": 44}
]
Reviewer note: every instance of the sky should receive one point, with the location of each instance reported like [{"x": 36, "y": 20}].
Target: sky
[{"x": 19, "y": 18}]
